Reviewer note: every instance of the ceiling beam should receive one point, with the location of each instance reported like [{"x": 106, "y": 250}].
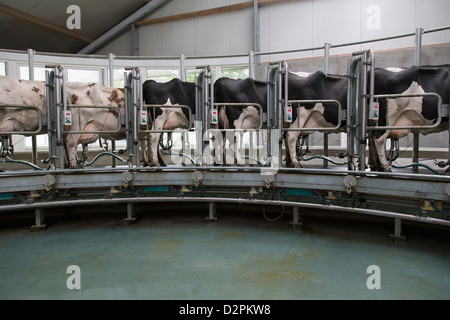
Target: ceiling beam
[
  {"x": 207, "y": 12},
  {"x": 144, "y": 10},
  {"x": 43, "y": 23}
]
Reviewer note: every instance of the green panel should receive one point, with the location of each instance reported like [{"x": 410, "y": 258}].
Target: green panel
[
  {"x": 6, "y": 196},
  {"x": 156, "y": 189},
  {"x": 299, "y": 192}
]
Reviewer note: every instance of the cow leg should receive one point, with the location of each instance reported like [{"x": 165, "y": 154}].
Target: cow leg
[
  {"x": 291, "y": 149},
  {"x": 380, "y": 147},
  {"x": 143, "y": 145},
  {"x": 70, "y": 145}
]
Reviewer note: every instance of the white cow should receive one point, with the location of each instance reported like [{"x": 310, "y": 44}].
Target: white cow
[{"x": 97, "y": 118}]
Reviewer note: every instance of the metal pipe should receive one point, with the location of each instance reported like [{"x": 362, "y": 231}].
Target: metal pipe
[
  {"x": 327, "y": 47},
  {"x": 256, "y": 170},
  {"x": 373, "y": 212},
  {"x": 38, "y": 131},
  {"x": 251, "y": 64},
  {"x": 418, "y": 46},
  {"x": 318, "y": 129},
  {"x": 362, "y": 162},
  {"x": 257, "y": 37},
  {"x": 119, "y": 127},
  {"x": 394, "y": 96},
  {"x": 111, "y": 69},
  {"x": 31, "y": 53},
  {"x": 182, "y": 68}
]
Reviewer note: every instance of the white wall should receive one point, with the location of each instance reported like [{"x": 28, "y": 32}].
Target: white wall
[{"x": 284, "y": 26}]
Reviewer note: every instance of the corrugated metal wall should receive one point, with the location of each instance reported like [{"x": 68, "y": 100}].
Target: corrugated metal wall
[{"x": 289, "y": 25}]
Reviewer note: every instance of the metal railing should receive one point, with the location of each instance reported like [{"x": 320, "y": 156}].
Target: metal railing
[
  {"x": 39, "y": 122},
  {"x": 257, "y": 105},
  {"x": 329, "y": 129},
  {"x": 110, "y": 108},
  {"x": 422, "y": 127},
  {"x": 165, "y": 106}
]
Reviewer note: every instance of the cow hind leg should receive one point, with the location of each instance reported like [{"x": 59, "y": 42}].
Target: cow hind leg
[
  {"x": 291, "y": 149},
  {"x": 382, "y": 163}
]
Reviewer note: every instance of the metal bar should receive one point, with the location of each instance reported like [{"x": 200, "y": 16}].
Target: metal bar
[
  {"x": 327, "y": 47},
  {"x": 164, "y": 106},
  {"x": 144, "y": 10},
  {"x": 357, "y": 173},
  {"x": 415, "y": 155},
  {"x": 363, "y": 123},
  {"x": 256, "y": 37},
  {"x": 287, "y": 51},
  {"x": 394, "y": 96},
  {"x": 318, "y": 129},
  {"x": 111, "y": 69},
  {"x": 99, "y": 107},
  {"x": 251, "y": 64},
  {"x": 372, "y": 212},
  {"x": 436, "y": 29},
  {"x": 325, "y": 149},
  {"x": 242, "y": 104},
  {"x": 418, "y": 46},
  {"x": 182, "y": 68},
  {"x": 31, "y": 53}
]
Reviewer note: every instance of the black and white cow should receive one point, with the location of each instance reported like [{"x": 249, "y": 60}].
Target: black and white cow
[
  {"x": 315, "y": 86},
  {"x": 174, "y": 92},
  {"x": 248, "y": 90},
  {"x": 412, "y": 111}
]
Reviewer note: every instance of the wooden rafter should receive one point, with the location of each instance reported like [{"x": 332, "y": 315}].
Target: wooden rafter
[
  {"x": 233, "y": 7},
  {"x": 43, "y": 23}
]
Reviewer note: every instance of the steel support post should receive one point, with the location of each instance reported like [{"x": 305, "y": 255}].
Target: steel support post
[
  {"x": 415, "y": 158},
  {"x": 397, "y": 235},
  {"x": 418, "y": 59},
  {"x": 111, "y": 84},
  {"x": 31, "y": 78},
  {"x": 182, "y": 68},
  {"x": 131, "y": 218},
  {"x": 295, "y": 223},
  {"x": 212, "y": 216},
  {"x": 39, "y": 220}
]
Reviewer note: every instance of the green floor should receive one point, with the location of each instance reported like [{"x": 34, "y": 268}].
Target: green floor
[{"x": 241, "y": 257}]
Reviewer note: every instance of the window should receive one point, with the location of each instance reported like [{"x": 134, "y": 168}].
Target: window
[
  {"x": 162, "y": 75},
  {"x": 83, "y": 75},
  {"x": 119, "y": 78},
  {"x": 237, "y": 72},
  {"x": 39, "y": 73},
  {"x": 2, "y": 69}
]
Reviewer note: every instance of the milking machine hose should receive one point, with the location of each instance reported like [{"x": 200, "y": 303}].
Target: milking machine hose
[
  {"x": 9, "y": 160},
  {"x": 104, "y": 154},
  {"x": 327, "y": 159},
  {"x": 416, "y": 165}
]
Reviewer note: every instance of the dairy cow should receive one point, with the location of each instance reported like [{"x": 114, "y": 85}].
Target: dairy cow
[
  {"x": 174, "y": 92},
  {"x": 248, "y": 90},
  {"x": 315, "y": 86},
  {"x": 98, "y": 118},
  {"x": 32, "y": 93},
  {"x": 408, "y": 111}
]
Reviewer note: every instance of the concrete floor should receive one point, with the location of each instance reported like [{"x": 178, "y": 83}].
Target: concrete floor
[{"x": 173, "y": 255}]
